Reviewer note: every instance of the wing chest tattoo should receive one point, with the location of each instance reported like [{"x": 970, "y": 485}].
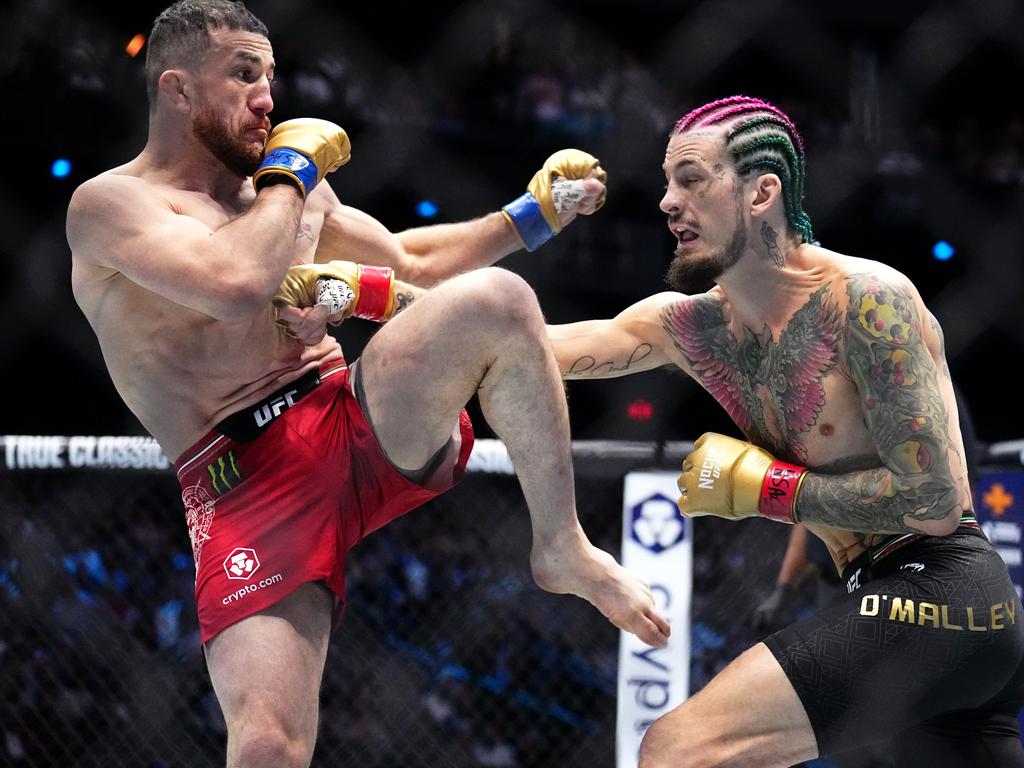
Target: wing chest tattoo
[{"x": 771, "y": 389}]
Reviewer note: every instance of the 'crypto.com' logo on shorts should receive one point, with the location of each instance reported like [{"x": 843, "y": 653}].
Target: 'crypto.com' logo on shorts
[{"x": 242, "y": 563}]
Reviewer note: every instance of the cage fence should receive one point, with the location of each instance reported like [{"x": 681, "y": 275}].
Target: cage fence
[{"x": 447, "y": 654}]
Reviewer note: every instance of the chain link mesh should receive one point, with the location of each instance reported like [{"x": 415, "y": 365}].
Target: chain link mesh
[{"x": 447, "y": 655}]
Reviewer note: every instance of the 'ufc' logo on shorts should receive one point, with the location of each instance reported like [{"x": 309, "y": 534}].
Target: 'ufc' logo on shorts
[{"x": 273, "y": 409}]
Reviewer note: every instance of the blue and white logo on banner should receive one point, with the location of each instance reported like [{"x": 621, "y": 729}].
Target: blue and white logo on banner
[
  {"x": 657, "y": 523},
  {"x": 657, "y": 547}
]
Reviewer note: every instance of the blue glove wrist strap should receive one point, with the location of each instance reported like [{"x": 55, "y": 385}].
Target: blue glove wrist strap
[
  {"x": 293, "y": 164},
  {"x": 529, "y": 221}
]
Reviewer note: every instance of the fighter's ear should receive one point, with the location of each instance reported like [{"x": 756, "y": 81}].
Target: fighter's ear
[
  {"x": 175, "y": 87},
  {"x": 767, "y": 189}
]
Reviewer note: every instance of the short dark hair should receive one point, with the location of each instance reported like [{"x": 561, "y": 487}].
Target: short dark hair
[{"x": 181, "y": 35}]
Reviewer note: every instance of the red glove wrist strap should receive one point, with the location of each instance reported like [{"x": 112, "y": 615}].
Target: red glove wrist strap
[
  {"x": 781, "y": 484},
  {"x": 374, "y": 292}
]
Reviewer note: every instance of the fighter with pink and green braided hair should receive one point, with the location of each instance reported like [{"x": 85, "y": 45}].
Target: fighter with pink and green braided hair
[
  {"x": 831, "y": 367},
  {"x": 759, "y": 137}
]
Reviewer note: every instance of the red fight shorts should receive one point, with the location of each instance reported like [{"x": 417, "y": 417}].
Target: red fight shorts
[{"x": 270, "y": 513}]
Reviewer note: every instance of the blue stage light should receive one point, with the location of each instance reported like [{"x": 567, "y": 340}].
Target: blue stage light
[
  {"x": 943, "y": 251},
  {"x": 426, "y": 209},
  {"x": 60, "y": 168}
]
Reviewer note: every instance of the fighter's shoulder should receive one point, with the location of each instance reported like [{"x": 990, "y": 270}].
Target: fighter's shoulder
[
  {"x": 324, "y": 200},
  {"x": 111, "y": 191},
  {"x": 650, "y": 309},
  {"x": 107, "y": 210},
  {"x": 883, "y": 298},
  {"x": 707, "y": 308},
  {"x": 859, "y": 277}
]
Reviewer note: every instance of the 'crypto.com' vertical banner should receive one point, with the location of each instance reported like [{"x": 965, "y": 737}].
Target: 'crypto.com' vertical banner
[{"x": 657, "y": 546}]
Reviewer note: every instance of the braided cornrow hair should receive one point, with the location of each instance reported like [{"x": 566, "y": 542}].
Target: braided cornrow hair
[{"x": 760, "y": 136}]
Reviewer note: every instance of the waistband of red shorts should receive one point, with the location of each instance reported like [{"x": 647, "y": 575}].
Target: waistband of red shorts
[{"x": 250, "y": 422}]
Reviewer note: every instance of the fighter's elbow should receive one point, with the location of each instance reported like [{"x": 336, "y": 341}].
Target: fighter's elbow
[
  {"x": 949, "y": 523},
  {"x": 934, "y": 525},
  {"x": 239, "y": 300},
  {"x": 420, "y": 272}
]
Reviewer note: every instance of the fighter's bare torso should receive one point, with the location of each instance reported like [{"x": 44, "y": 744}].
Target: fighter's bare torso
[
  {"x": 179, "y": 370},
  {"x": 777, "y": 361},
  {"x": 788, "y": 388}
]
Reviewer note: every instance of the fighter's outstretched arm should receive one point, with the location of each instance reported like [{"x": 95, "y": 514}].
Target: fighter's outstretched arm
[
  {"x": 425, "y": 256},
  {"x": 634, "y": 340}
]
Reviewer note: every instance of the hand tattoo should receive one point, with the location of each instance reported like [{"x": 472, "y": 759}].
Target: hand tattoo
[{"x": 402, "y": 300}]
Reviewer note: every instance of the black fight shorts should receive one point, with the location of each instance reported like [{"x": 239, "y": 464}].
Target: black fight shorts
[{"x": 925, "y": 654}]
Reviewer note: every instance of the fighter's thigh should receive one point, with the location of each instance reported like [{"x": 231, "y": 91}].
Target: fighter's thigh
[
  {"x": 424, "y": 365},
  {"x": 748, "y": 715},
  {"x": 266, "y": 668}
]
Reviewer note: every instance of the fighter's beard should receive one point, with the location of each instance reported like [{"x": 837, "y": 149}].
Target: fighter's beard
[
  {"x": 240, "y": 157},
  {"x": 689, "y": 273}
]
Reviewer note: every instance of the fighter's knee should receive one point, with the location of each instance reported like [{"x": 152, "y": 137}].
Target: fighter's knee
[
  {"x": 655, "y": 749},
  {"x": 502, "y": 297},
  {"x": 670, "y": 743},
  {"x": 268, "y": 747}
]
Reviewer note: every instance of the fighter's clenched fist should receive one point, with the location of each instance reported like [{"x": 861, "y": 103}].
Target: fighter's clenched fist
[
  {"x": 570, "y": 182},
  {"x": 734, "y": 479},
  {"x": 304, "y": 151}
]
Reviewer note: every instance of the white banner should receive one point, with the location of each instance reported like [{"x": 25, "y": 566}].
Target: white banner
[
  {"x": 657, "y": 546},
  {"x": 81, "y": 452}
]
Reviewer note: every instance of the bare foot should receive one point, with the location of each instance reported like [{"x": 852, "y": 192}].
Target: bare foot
[{"x": 574, "y": 566}]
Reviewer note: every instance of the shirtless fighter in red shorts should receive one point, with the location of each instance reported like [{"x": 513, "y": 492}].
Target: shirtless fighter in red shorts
[{"x": 286, "y": 456}]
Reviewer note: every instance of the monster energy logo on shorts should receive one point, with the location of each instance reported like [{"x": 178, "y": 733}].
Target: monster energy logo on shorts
[{"x": 224, "y": 473}]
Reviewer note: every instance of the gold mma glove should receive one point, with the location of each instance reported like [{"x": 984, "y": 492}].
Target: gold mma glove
[
  {"x": 734, "y": 479},
  {"x": 555, "y": 188},
  {"x": 345, "y": 288},
  {"x": 304, "y": 151}
]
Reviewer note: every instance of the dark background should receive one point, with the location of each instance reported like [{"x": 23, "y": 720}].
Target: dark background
[
  {"x": 910, "y": 111},
  {"x": 448, "y": 655}
]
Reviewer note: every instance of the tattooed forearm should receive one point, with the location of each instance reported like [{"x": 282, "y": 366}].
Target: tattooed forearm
[
  {"x": 771, "y": 240},
  {"x": 587, "y": 365},
  {"x": 903, "y": 408},
  {"x": 874, "y": 501}
]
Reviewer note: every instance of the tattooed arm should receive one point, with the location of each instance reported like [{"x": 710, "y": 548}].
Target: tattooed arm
[
  {"x": 893, "y": 354},
  {"x": 632, "y": 341}
]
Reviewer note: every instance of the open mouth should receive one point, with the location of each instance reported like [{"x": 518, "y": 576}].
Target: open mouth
[{"x": 685, "y": 235}]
